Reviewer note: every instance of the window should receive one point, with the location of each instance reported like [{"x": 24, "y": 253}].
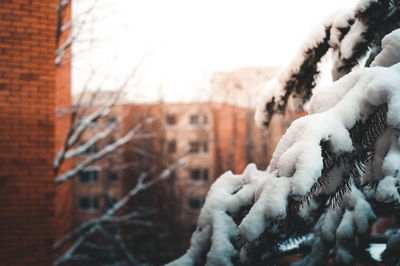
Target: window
[
  {"x": 172, "y": 146},
  {"x": 88, "y": 203},
  {"x": 199, "y": 174},
  {"x": 205, "y": 174},
  {"x": 194, "y": 119},
  {"x": 171, "y": 120},
  {"x": 194, "y": 147},
  {"x": 88, "y": 176},
  {"x": 112, "y": 176},
  {"x": 205, "y": 146},
  {"x": 195, "y": 203},
  {"x": 198, "y": 147},
  {"x": 195, "y": 174},
  {"x": 198, "y": 119},
  {"x": 110, "y": 201}
]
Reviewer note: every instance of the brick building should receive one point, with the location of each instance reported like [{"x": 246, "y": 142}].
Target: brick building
[
  {"x": 213, "y": 136},
  {"x": 28, "y": 96}
]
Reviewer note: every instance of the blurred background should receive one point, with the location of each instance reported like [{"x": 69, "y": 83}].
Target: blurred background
[{"x": 117, "y": 116}]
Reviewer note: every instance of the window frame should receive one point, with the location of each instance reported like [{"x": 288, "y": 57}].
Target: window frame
[
  {"x": 92, "y": 203},
  {"x": 90, "y": 179}
]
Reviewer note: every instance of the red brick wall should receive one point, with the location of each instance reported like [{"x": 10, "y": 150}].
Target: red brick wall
[
  {"x": 230, "y": 126},
  {"x": 27, "y": 93},
  {"x": 63, "y": 198}
]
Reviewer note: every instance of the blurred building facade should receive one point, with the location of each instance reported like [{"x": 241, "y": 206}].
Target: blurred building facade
[{"x": 214, "y": 137}]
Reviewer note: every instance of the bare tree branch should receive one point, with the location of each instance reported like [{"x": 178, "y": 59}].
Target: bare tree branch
[
  {"x": 98, "y": 155},
  {"x": 100, "y": 135},
  {"x": 88, "y": 228}
]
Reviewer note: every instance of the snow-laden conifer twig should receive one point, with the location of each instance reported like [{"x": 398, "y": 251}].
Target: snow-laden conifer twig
[
  {"x": 82, "y": 232},
  {"x": 348, "y": 34},
  {"x": 353, "y": 127}
]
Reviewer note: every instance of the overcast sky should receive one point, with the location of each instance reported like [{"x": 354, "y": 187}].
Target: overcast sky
[{"x": 187, "y": 40}]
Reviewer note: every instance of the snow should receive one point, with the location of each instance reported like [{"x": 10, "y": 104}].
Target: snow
[
  {"x": 352, "y": 38},
  {"x": 363, "y": 215},
  {"x": 387, "y": 190},
  {"x": 390, "y": 50},
  {"x": 340, "y": 19},
  {"x": 297, "y": 164},
  {"x": 325, "y": 97},
  {"x": 376, "y": 250},
  {"x": 345, "y": 229},
  {"x": 328, "y": 223},
  {"x": 270, "y": 203},
  {"x": 274, "y": 88}
]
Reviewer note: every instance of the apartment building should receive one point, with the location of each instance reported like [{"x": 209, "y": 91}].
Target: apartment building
[{"x": 213, "y": 137}]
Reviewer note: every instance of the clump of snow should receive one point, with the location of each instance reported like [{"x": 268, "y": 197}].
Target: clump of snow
[
  {"x": 340, "y": 20},
  {"x": 274, "y": 89},
  {"x": 387, "y": 190},
  {"x": 328, "y": 223},
  {"x": 390, "y": 50},
  {"x": 325, "y": 97},
  {"x": 345, "y": 229},
  {"x": 270, "y": 204},
  {"x": 352, "y": 38},
  {"x": 297, "y": 164}
]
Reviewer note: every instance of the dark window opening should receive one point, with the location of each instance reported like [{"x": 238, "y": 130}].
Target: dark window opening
[
  {"x": 205, "y": 146},
  {"x": 172, "y": 146},
  {"x": 112, "y": 177},
  {"x": 194, "y": 119},
  {"x": 88, "y": 203},
  {"x": 171, "y": 119},
  {"x": 197, "y": 147},
  {"x": 88, "y": 176},
  {"x": 195, "y": 174},
  {"x": 205, "y": 174},
  {"x": 199, "y": 174},
  {"x": 194, "y": 147},
  {"x": 111, "y": 200}
]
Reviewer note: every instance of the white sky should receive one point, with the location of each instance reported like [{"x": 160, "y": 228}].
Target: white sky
[{"x": 188, "y": 40}]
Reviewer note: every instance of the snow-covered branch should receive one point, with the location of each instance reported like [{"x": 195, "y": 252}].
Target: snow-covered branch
[
  {"x": 348, "y": 35},
  {"x": 98, "y": 136},
  {"x": 326, "y": 176},
  {"x": 98, "y": 155},
  {"x": 82, "y": 232},
  {"x": 75, "y": 32},
  {"x": 82, "y": 117}
]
